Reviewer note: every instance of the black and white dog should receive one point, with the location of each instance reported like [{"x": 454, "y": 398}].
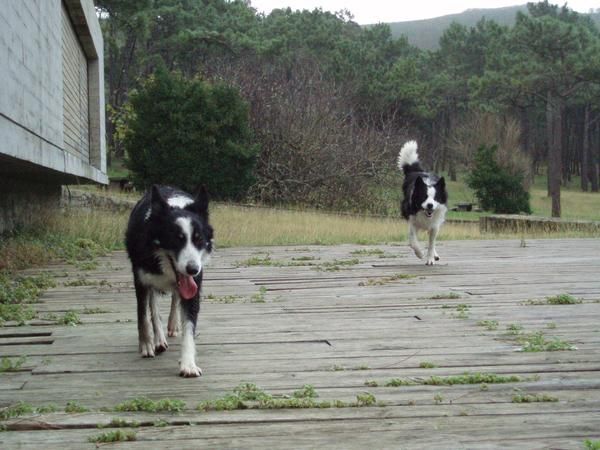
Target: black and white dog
[
  {"x": 169, "y": 240},
  {"x": 424, "y": 203}
]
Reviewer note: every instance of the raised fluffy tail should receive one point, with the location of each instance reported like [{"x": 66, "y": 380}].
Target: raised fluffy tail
[{"x": 408, "y": 159}]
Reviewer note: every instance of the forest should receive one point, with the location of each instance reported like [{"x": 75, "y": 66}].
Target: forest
[{"x": 322, "y": 105}]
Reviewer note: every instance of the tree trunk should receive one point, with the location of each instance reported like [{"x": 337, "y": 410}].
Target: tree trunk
[
  {"x": 554, "y": 129},
  {"x": 585, "y": 149},
  {"x": 595, "y": 144}
]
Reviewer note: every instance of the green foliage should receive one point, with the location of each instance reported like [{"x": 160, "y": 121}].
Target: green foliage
[
  {"x": 190, "y": 132},
  {"x": 114, "y": 436},
  {"x": 537, "y": 342},
  {"x": 16, "y": 410},
  {"x": 533, "y": 398},
  {"x": 588, "y": 444},
  {"x": 496, "y": 189},
  {"x": 74, "y": 407},
  {"x": 562, "y": 299},
  {"x": 8, "y": 365},
  {"x": 147, "y": 405}
]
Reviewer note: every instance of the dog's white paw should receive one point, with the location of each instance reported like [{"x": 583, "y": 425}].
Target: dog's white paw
[
  {"x": 173, "y": 329},
  {"x": 430, "y": 262},
  {"x": 147, "y": 348},
  {"x": 418, "y": 252},
  {"x": 189, "y": 370}
]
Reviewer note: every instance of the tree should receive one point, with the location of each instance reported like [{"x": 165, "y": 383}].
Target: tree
[
  {"x": 496, "y": 188},
  {"x": 552, "y": 47},
  {"x": 189, "y": 132}
]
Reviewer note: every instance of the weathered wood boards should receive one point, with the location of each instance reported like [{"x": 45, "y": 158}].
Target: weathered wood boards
[{"x": 305, "y": 315}]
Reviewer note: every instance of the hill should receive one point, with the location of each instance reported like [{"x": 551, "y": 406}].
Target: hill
[{"x": 425, "y": 34}]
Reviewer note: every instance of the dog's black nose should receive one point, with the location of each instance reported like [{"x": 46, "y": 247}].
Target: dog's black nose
[
  {"x": 429, "y": 205},
  {"x": 192, "y": 268}
]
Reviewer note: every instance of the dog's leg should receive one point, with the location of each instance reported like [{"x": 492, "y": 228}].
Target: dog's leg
[
  {"x": 413, "y": 239},
  {"x": 432, "y": 255},
  {"x": 174, "y": 325},
  {"x": 187, "y": 364},
  {"x": 146, "y": 346},
  {"x": 160, "y": 342}
]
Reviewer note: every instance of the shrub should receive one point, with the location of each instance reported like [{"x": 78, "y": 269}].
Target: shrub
[
  {"x": 496, "y": 188},
  {"x": 189, "y": 132}
]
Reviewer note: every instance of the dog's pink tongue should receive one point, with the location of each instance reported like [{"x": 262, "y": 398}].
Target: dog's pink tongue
[{"x": 186, "y": 286}]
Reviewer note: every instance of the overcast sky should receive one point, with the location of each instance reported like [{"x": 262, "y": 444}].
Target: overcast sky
[{"x": 373, "y": 11}]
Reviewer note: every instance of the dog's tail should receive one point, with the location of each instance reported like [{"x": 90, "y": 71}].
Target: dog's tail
[{"x": 408, "y": 159}]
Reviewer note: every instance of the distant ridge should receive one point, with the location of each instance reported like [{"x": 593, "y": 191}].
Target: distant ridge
[{"x": 425, "y": 34}]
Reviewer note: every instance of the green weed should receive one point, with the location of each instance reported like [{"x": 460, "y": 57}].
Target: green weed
[
  {"x": 147, "y": 405},
  {"x": 438, "y": 398},
  {"x": 259, "y": 297},
  {"x": 466, "y": 378},
  {"x": 114, "y": 436},
  {"x": 386, "y": 280},
  {"x": 514, "y": 328},
  {"x": 74, "y": 407},
  {"x": 120, "y": 423},
  {"x": 537, "y": 342},
  {"x": 70, "y": 318},
  {"x": 427, "y": 365},
  {"x": 368, "y": 252},
  {"x": 490, "y": 325},
  {"x": 9, "y": 365},
  {"x": 588, "y": 444},
  {"x": 533, "y": 398},
  {"x": 563, "y": 299},
  {"x": 16, "y": 410}
]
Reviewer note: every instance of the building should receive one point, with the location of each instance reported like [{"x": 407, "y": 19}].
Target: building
[{"x": 51, "y": 104}]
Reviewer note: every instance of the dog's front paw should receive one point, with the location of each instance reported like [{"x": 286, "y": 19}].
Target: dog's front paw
[
  {"x": 173, "y": 329},
  {"x": 161, "y": 345},
  {"x": 418, "y": 252},
  {"x": 147, "y": 348},
  {"x": 190, "y": 370},
  {"x": 430, "y": 262}
]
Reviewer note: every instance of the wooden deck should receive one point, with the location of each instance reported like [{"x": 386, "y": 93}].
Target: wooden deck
[{"x": 334, "y": 330}]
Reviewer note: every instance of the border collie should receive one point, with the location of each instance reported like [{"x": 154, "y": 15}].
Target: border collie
[
  {"x": 169, "y": 241},
  {"x": 424, "y": 203}
]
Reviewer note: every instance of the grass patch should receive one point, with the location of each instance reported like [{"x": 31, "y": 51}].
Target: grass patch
[
  {"x": 489, "y": 325},
  {"x": 368, "y": 252},
  {"x": 16, "y": 410},
  {"x": 70, "y": 318},
  {"x": 17, "y": 293},
  {"x": 385, "y": 280},
  {"x": 537, "y": 342},
  {"x": 462, "y": 311},
  {"x": 87, "y": 310},
  {"x": 113, "y": 436},
  {"x": 514, "y": 328},
  {"x": 260, "y": 296},
  {"x": 249, "y": 396},
  {"x": 9, "y": 365},
  {"x": 466, "y": 378},
  {"x": 427, "y": 365},
  {"x": 74, "y": 407},
  {"x": 147, "y": 405},
  {"x": 533, "y": 398},
  {"x": 562, "y": 299},
  {"x": 588, "y": 444}
]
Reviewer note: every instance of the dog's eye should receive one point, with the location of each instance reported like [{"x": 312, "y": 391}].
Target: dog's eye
[
  {"x": 181, "y": 237},
  {"x": 197, "y": 239}
]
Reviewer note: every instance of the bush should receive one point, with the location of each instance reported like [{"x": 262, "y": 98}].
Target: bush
[
  {"x": 495, "y": 187},
  {"x": 189, "y": 132}
]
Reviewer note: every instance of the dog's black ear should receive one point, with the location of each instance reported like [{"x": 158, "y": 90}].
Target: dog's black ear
[
  {"x": 158, "y": 205},
  {"x": 200, "y": 205}
]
